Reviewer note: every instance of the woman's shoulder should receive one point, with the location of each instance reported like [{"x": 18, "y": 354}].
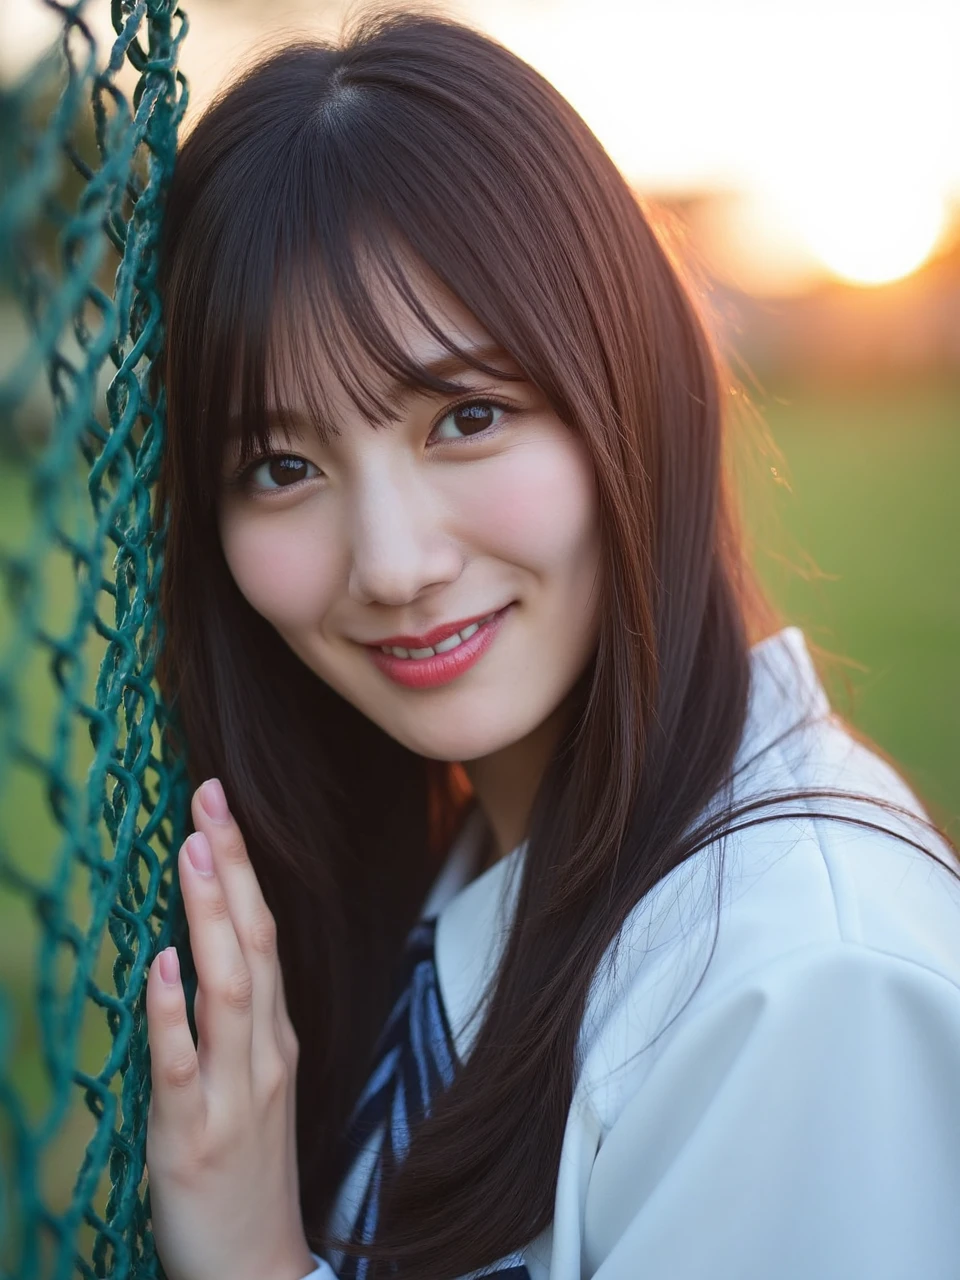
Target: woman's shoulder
[
  {"x": 846, "y": 852},
  {"x": 840, "y": 875},
  {"x": 831, "y": 878}
]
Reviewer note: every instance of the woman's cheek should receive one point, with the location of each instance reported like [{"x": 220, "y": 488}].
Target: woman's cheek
[
  {"x": 536, "y": 502},
  {"x": 284, "y": 569}
]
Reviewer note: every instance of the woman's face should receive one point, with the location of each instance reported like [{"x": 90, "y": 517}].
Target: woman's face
[{"x": 466, "y": 506}]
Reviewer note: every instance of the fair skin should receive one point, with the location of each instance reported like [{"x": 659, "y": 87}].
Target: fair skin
[{"x": 446, "y": 514}]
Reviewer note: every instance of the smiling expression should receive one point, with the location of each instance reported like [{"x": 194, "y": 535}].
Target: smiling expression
[{"x": 463, "y": 506}]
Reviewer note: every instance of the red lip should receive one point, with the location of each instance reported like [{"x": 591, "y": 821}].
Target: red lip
[
  {"x": 428, "y": 673},
  {"x": 432, "y": 637}
]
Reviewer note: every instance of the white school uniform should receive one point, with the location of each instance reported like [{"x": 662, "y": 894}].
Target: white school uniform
[{"x": 798, "y": 1115}]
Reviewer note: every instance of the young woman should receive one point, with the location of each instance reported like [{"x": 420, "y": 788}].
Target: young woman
[{"x": 545, "y": 920}]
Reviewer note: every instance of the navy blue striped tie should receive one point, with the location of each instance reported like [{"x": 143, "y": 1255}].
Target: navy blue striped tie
[{"x": 415, "y": 1059}]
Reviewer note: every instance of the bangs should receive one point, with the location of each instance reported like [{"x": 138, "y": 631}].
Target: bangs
[{"x": 327, "y": 285}]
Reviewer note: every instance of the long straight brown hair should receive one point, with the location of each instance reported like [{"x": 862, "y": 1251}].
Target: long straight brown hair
[{"x": 419, "y": 135}]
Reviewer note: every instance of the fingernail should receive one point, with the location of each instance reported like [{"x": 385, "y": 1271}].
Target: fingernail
[
  {"x": 213, "y": 800},
  {"x": 199, "y": 853},
  {"x": 170, "y": 966}
]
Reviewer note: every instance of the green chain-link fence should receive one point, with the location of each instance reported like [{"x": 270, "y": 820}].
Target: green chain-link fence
[{"x": 92, "y": 805}]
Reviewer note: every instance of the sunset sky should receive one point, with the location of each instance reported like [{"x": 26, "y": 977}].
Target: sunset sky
[{"x": 833, "y": 126}]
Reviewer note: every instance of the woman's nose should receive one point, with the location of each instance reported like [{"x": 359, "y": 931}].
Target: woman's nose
[{"x": 400, "y": 545}]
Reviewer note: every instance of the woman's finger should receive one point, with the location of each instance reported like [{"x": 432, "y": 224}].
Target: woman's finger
[
  {"x": 176, "y": 1092},
  {"x": 252, "y": 919},
  {"x": 225, "y": 1015}
]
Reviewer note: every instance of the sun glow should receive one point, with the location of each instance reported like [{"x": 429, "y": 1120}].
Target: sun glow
[
  {"x": 838, "y": 115},
  {"x": 869, "y": 234}
]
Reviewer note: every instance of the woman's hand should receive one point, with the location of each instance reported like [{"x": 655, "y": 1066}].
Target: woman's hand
[{"x": 221, "y": 1145}]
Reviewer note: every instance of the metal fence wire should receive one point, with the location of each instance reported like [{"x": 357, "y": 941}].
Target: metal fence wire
[{"x": 93, "y": 803}]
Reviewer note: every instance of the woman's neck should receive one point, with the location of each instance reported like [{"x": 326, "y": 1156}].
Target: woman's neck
[{"x": 506, "y": 781}]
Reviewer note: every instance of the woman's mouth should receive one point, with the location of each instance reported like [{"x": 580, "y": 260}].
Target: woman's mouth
[{"x": 440, "y": 663}]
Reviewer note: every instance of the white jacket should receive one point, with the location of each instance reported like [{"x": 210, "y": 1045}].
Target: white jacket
[{"x": 798, "y": 1117}]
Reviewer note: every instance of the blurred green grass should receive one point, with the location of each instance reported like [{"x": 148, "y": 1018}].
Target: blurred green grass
[{"x": 857, "y": 538}]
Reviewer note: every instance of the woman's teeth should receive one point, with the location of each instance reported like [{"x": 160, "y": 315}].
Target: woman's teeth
[{"x": 444, "y": 646}]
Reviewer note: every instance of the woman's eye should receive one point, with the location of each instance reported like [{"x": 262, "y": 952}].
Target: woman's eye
[
  {"x": 279, "y": 471},
  {"x": 469, "y": 419}
]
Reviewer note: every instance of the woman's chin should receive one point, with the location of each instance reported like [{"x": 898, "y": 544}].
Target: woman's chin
[{"x": 450, "y": 745}]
